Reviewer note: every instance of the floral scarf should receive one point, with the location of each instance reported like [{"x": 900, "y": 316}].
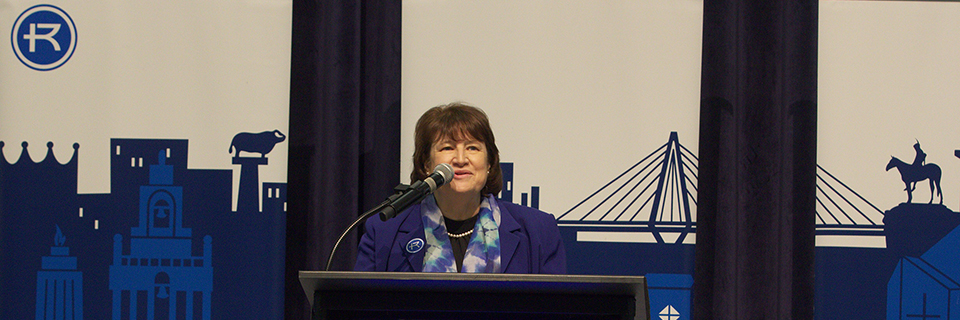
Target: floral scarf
[{"x": 483, "y": 251}]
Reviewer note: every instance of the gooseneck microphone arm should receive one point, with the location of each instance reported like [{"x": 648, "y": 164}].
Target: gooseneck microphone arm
[
  {"x": 400, "y": 189},
  {"x": 403, "y": 198}
]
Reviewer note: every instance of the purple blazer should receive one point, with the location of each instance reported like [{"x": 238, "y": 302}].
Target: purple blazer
[{"x": 529, "y": 242}]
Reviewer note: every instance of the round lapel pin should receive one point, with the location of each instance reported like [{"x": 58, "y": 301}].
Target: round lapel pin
[{"x": 414, "y": 245}]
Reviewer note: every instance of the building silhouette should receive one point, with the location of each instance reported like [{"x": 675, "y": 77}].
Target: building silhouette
[
  {"x": 506, "y": 190},
  {"x": 144, "y": 248},
  {"x": 160, "y": 275},
  {"x": 59, "y": 284}
]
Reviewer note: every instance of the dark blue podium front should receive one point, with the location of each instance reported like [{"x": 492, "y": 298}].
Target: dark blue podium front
[{"x": 404, "y": 295}]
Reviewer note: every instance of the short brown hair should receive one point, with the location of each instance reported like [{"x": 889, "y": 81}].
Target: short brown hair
[{"x": 457, "y": 121}]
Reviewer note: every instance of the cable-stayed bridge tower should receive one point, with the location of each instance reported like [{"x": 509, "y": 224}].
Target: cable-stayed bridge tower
[
  {"x": 652, "y": 201},
  {"x": 655, "y": 200}
]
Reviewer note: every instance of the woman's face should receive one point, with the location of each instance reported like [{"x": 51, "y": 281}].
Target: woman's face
[{"x": 469, "y": 161}]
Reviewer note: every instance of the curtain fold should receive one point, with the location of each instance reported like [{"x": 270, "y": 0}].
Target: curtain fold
[
  {"x": 344, "y": 129},
  {"x": 756, "y": 193}
]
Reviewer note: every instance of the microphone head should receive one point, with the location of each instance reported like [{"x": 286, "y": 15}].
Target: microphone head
[{"x": 446, "y": 173}]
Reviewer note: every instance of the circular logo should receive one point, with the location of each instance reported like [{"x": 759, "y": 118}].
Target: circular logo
[
  {"x": 414, "y": 245},
  {"x": 44, "y": 37}
]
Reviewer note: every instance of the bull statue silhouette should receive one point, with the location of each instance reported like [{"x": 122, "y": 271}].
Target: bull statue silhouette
[{"x": 261, "y": 143}]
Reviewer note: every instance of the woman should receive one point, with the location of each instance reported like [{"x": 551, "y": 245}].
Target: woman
[{"x": 462, "y": 227}]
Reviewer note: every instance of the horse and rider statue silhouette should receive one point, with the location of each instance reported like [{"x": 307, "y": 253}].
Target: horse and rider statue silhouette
[{"x": 919, "y": 170}]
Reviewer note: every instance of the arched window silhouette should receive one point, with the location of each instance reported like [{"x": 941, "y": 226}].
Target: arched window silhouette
[
  {"x": 163, "y": 212},
  {"x": 161, "y": 285}
]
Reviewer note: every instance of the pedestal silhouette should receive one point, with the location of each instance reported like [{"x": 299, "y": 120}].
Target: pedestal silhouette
[{"x": 248, "y": 196}]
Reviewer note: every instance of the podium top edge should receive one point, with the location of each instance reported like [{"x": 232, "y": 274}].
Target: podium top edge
[
  {"x": 312, "y": 281},
  {"x": 497, "y": 277}
]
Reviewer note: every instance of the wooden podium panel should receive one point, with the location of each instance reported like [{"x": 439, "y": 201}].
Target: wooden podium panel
[{"x": 406, "y": 295}]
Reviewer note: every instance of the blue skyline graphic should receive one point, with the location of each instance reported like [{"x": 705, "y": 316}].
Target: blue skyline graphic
[
  {"x": 160, "y": 264},
  {"x": 163, "y": 244},
  {"x": 156, "y": 201},
  {"x": 638, "y": 222},
  {"x": 506, "y": 191},
  {"x": 59, "y": 284}
]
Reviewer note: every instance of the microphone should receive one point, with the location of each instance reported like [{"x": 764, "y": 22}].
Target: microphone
[
  {"x": 441, "y": 175},
  {"x": 405, "y": 196}
]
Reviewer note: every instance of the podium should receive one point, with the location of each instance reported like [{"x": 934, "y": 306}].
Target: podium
[{"x": 415, "y": 295}]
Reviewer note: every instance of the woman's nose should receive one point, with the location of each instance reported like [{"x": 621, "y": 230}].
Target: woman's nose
[{"x": 459, "y": 157}]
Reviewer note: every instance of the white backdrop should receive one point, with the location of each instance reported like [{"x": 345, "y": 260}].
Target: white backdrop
[
  {"x": 197, "y": 70},
  {"x": 576, "y": 91},
  {"x": 889, "y": 75},
  {"x": 200, "y": 71}
]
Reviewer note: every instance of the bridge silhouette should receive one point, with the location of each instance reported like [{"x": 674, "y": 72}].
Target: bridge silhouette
[{"x": 655, "y": 201}]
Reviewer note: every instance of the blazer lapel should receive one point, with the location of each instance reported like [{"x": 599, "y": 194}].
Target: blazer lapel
[
  {"x": 411, "y": 228},
  {"x": 509, "y": 240}
]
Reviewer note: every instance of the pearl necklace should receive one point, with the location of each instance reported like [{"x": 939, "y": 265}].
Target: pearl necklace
[{"x": 460, "y": 235}]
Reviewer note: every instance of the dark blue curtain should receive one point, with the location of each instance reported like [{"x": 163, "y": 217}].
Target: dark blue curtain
[
  {"x": 344, "y": 129},
  {"x": 756, "y": 194}
]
